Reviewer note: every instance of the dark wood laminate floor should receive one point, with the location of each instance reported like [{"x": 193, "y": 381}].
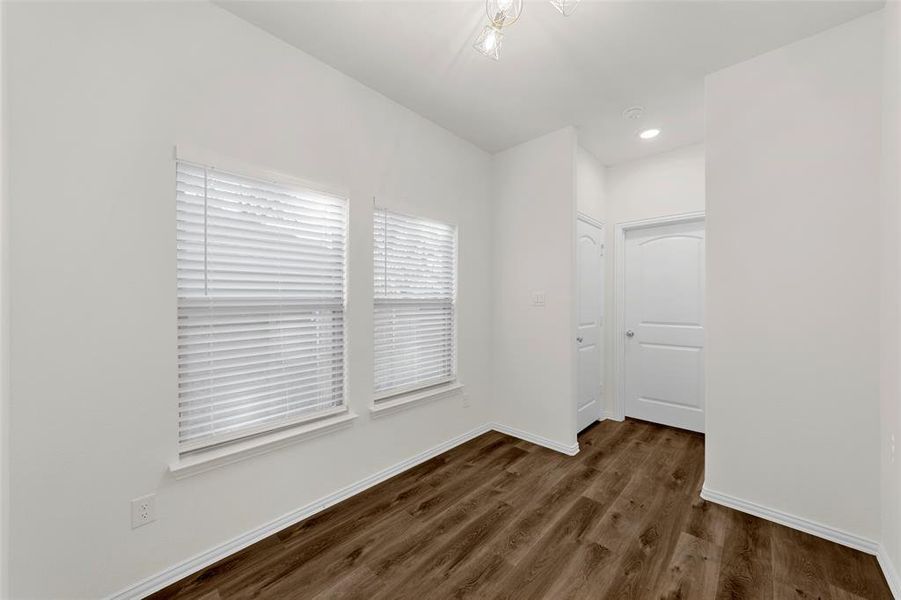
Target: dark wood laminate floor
[{"x": 505, "y": 519}]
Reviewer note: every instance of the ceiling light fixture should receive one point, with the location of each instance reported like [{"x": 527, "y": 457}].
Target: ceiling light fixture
[
  {"x": 648, "y": 134},
  {"x": 566, "y": 7},
  {"x": 503, "y": 13},
  {"x": 489, "y": 42}
]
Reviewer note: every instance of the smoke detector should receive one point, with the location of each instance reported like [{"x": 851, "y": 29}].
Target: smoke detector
[{"x": 633, "y": 113}]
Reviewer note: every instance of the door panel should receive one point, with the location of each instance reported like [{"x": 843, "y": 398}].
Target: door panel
[
  {"x": 669, "y": 374},
  {"x": 670, "y": 287},
  {"x": 664, "y": 311},
  {"x": 590, "y": 312}
]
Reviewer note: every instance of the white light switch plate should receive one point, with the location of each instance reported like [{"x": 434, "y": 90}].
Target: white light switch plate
[{"x": 539, "y": 298}]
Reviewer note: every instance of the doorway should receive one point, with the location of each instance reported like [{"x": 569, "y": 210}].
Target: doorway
[
  {"x": 660, "y": 294},
  {"x": 590, "y": 320}
]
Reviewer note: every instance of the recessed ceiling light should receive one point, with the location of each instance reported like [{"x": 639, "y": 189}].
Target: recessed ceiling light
[{"x": 648, "y": 134}]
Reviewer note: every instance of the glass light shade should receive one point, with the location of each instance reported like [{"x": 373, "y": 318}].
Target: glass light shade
[
  {"x": 489, "y": 42},
  {"x": 566, "y": 7},
  {"x": 503, "y": 12}
]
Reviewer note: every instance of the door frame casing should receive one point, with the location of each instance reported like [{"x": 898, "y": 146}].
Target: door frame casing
[
  {"x": 619, "y": 298},
  {"x": 580, "y": 216}
]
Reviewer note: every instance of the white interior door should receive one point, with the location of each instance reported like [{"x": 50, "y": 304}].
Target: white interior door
[
  {"x": 589, "y": 337},
  {"x": 664, "y": 324}
]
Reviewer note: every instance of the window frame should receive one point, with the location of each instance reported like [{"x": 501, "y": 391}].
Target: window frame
[
  {"x": 217, "y": 443},
  {"x": 437, "y": 386}
]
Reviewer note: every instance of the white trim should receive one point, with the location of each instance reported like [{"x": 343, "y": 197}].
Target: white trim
[
  {"x": 888, "y": 569},
  {"x": 813, "y": 528},
  {"x": 619, "y": 298},
  {"x": 192, "y": 565},
  {"x": 412, "y": 389},
  {"x": 205, "y": 559},
  {"x": 389, "y": 396},
  {"x": 394, "y": 404},
  {"x": 207, "y": 158},
  {"x": 211, "y": 445},
  {"x": 568, "y": 449},
  {"x": 215, "y": 457},
  {"x": 210, "y": 451},
  {"x": 609, "y": 414},
  {"x": 801, "y": 524},
  {"x": 580, "y": 216},
  {"x": 574, "y": 286}
]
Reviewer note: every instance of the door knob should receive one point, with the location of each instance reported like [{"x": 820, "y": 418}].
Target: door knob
[
  {"x": 579, "y": 339},
  {"x": 629, "y": 333}
]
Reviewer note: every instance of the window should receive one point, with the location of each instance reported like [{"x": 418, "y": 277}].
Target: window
[
  {"x": 261, "y": 289},
  {"x": 415, "y": 266}
]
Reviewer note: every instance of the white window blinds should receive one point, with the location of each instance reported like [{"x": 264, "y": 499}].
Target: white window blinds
[
  {"x": 261, "y": 288},
  {"x": 415, "y": 273}
]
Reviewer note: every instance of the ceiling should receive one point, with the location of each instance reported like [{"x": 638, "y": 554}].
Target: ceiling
[{"x": 582, "y": 70}]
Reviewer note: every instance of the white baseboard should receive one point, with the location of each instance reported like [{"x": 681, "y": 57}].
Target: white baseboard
[
  {"x": 205, "y": 559},
  {"x": 801, "y": 524},
  {"x": 888, "y": 569},
  {"x": 609, "y": 414},
  {"x": 569, "y": 449}
]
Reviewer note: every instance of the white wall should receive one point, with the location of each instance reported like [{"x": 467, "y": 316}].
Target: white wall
[
  {"x": 98, "y": 95},
  {"x": 4, "y": 324},
  {"x": 890, "y": 391},
  {"x": 669, "y": 183},
  {"x": 534, "y": 247},
  {"x": 793, "y": 153},
  {"x": 590, "y": 193}
]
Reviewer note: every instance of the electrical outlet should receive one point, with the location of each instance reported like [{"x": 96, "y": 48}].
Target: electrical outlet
[
  {"x": 465, "y": 399},
  {"x": 143, "y": 510},
  {"x": 539, "y": 298}
]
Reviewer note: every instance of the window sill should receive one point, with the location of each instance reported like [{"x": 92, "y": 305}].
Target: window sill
[
  {"x": 396, "y": 403},
  {"x": 214, "y": 458}
]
